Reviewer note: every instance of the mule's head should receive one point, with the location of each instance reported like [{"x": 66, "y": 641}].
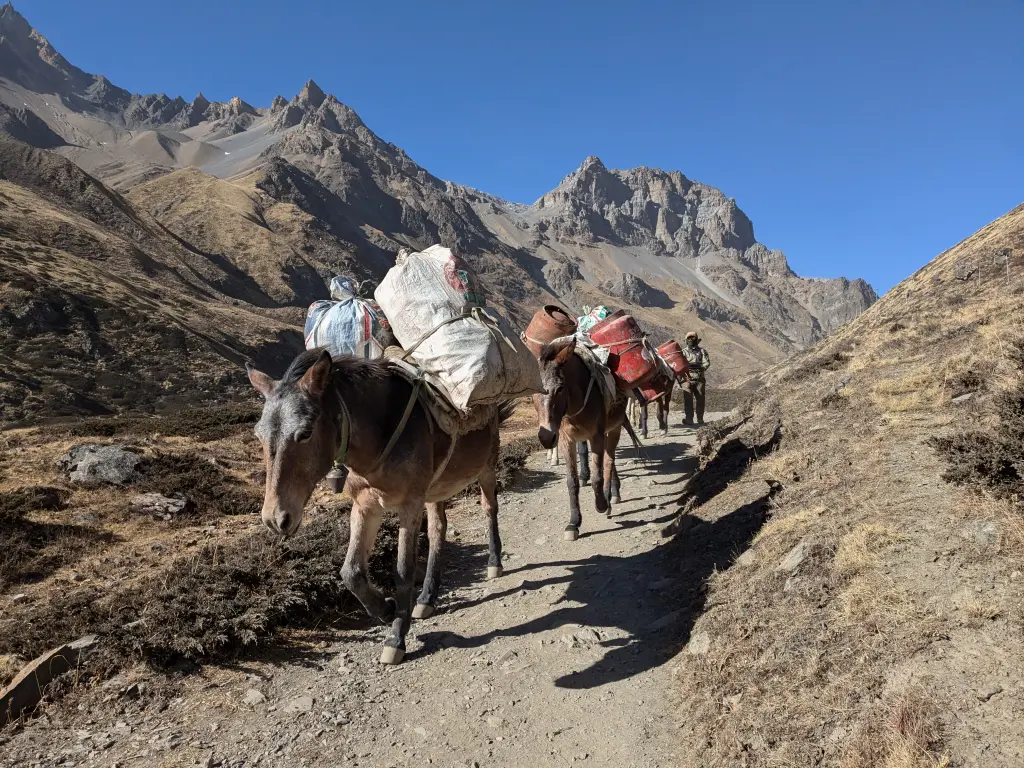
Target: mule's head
[
  {"x": 552, "y": 406},
  {"x": 300, "y": 435}
]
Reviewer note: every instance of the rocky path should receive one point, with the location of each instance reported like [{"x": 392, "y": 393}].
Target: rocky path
[{"x": 562, "y": 661}]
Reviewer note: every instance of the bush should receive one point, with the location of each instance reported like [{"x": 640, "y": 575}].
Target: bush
[{"x": 212, "y": 604}]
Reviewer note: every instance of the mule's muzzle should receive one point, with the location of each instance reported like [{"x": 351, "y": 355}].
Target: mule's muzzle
[
  {"x": 548, "y": 439},
  {"x": 282, "y": 522}
]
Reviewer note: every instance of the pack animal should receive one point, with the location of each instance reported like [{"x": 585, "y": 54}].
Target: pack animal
[
  {"x": 365, "y": 412},
  {"x": 573, "y": 411}
]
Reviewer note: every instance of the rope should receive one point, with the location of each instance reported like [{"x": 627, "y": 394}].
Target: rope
[
  {"x": 399, "y": 429},
  {"x": 586, "y": 397}
]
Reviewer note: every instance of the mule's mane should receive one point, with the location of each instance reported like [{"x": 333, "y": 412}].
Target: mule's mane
[{"x": 341, "y": 366}]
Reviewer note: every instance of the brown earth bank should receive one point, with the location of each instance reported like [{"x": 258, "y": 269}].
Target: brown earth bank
[{"x": 876, "y": 618}]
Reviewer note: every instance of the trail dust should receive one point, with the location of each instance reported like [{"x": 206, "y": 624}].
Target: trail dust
[{"x": 562, "y": 661}]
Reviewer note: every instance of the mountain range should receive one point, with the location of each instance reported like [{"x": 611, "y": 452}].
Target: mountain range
[{"x": 151, "y": 244}]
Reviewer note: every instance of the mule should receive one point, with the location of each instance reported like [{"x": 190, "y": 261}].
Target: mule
[
  {"x": 638, "y": 413},
  {"x": 573, "y": 411},
  {"x": 366, "y": 415}
]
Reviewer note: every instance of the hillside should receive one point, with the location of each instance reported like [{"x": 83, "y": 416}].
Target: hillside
[
  {"x": 679, "y": 253},
  {"x": 102, "y": 309},
  {"x": 875, "y": 619}
]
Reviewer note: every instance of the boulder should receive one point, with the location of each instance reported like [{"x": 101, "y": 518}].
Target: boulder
[{"x": 92, "y": 464}]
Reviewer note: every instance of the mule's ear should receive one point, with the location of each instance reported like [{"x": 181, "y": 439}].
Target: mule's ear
[
  {"x": 314, "y": 381},
  {"x": 566, "y": 352},
  {"x": 260, "y": 381}
]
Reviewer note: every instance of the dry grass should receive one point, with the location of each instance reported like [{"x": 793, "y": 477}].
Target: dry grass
[
  {"x": 903, "y": 733},
  {"x": 875, "y": 603},
  {"x": 864, "y": 546}
]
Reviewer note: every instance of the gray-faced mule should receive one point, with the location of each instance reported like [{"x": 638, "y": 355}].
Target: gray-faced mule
[{"x": 368, "y": 415}]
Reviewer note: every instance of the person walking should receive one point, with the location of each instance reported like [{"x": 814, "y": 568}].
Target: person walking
[{"x": 694, "y": 389}]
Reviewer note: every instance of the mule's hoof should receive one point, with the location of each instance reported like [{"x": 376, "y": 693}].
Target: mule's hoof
[
  {"x": 608, "y": 514},
  {"x": 571, "y": 534},
  {"x": 615, "y": 500},
  {"x": 494, "y": 571},
  {"x": 422, "y": 611},
  {"x": 392, "y": 655}
]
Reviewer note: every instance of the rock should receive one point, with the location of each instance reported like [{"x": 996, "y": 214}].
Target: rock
[
  {"x": 700, "y": 644},
  {"x": 984, "y": 533},
  {"x": 420, "y": 731},
  {"x": 299, "y": 704},
  {"x": 989, "y": 691},
  {"x": 91, "y": 464},
  {"x": 746, "y": 559},
  {"x": 664, "y": 621},
  {"x": 161, "y": 507},
  {"x": 963, "y": 398},
  {"x": 495, "y": 722},
  {"x": 21, "y": 597},
  {"x": 134, "y": 691},
  {"x": 795, "y": 558},
  {"x": 253, "y": 698},
  {"x": 26, "y": 689},
  {"x": 541, "y": 541}
]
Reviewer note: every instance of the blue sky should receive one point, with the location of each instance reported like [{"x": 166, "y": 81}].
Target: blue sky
[{"x": 862, "y": 138}]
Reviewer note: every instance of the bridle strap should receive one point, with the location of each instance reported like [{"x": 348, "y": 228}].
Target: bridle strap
[{"x": 586, "y": 397}]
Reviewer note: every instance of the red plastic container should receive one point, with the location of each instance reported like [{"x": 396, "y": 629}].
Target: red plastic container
[
  {"x": 657, "y": 387},
  {"x": 630, "y": 362},
  {"x": 672, "y": 354},
  {"x": 548, "y": 324}
]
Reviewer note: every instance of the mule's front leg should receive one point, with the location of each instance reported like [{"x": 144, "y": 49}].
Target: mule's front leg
[
  {"x": 584, "y": 455},
  {"x": 572, "y": 481},
  {"x": 405, "y": 582},
  {"x": 437, "y": 529},
  {"x": 597, "y": 474},
  {"x": 553, "y": 456},
  {"x": 643, "y": 421},
  {"x": 489, "y": 501},
  {"x": 364, "y": 523}
]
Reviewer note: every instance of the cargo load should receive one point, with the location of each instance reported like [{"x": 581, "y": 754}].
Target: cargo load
[
  {"x": 631, "y": 357},
  {"x": 345, "y": 325},
  {"x": 466, "y": 350},
  {"x": 548, "y": 324},
  {"x": 673, "y": 355}
]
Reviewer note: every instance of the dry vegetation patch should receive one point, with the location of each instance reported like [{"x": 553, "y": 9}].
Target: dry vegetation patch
[{"x": 874, "y": 620}]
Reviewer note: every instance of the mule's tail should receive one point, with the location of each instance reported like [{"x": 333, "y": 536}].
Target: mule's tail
[{"x": 506, "y": 409}]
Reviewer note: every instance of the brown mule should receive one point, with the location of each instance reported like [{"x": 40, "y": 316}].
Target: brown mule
[
  {"x": 351, "y": 408},
  {"x": 573, "y": 411},
  {"x": 661, "y": 404}
]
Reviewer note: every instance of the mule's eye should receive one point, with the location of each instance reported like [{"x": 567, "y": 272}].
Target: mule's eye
[{"x": 303, "y": 435}]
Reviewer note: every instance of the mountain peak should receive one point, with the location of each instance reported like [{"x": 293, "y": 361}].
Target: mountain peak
[
  {"x": 279, "y": 103},
  {"x": 311, "y": 94}
]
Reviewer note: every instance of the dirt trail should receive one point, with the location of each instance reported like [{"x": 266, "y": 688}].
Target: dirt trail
[{"x": 562, "y": 661}]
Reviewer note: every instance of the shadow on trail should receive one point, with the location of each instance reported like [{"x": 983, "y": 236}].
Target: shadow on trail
[{"x": 652, "y": 597}]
